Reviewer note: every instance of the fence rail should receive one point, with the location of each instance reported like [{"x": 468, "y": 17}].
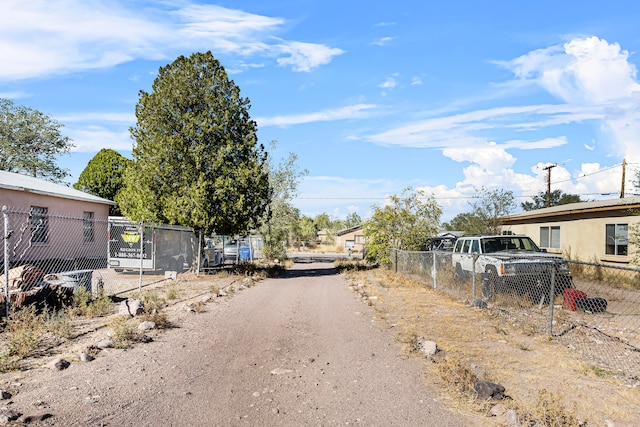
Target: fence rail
[
  {"x": 47, "y": 258},
  {"x": 594, "y": 311}
]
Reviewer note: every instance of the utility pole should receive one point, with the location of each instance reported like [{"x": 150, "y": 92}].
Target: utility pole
[
  {"x": 624, "y": 167},
  {"x": 548, "y": 169}
]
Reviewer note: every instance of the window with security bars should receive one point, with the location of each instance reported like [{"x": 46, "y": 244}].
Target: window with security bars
[
  {"x": 39, "y": 224},
  {"x": 550, "y": 237},
  {"x": 359, "y": 238},
  {"x": 87, "y": 226},
  {"x": 616, "y": 236}
]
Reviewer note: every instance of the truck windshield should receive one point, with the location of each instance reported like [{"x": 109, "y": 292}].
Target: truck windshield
[{"x": 508, "y": 243}]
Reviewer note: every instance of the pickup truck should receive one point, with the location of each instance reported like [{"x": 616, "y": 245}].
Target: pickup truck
[{"x": 510, "y": 263}]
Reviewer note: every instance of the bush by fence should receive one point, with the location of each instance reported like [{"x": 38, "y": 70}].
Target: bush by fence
[{"x": 597, "y": 314}]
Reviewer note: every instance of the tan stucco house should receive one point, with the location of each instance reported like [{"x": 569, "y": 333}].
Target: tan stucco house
[
  {"x": 587, "y": 231},
  {"x": 49, "y": 221},
  {"x": 350, "y": 238}
]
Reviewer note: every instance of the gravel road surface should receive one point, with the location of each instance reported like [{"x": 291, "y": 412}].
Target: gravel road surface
[{"x": 298, "y": 350}]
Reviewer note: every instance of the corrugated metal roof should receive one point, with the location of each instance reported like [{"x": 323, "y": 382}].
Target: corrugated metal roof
[
  {"x": 580, "y": 207},
  {"x": 347, "y": 230},
  {"x": 18, "y": 182}
]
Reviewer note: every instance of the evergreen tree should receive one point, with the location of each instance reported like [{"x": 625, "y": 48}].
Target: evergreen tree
[
  {"x": 102, "y": 176},
  {"x": 197, "y": 161}
]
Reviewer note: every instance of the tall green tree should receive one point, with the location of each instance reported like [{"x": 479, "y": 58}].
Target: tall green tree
[
  {"x": 467, "y": 222},
  {"x": 404, "y": 222},
  {"x": 307, "y": 228},
  {"x": 30, "y": 141},
  {"x": 103, "y": 176},
  {"x": 352, "y": 220},
  {"x": 323, "y": 222},
  {"x": 557, "y": 197},
  {"x": 197, "y": 161},
  {"x": 281, "y": 223},
  {"x": 491, "y": 206}
]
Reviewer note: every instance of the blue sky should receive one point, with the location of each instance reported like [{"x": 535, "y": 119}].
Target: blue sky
[{"x": 373, "y": 96}]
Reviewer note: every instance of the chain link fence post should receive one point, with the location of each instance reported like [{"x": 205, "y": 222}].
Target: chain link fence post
[
  {"x": 435, "y": 270},
  {"x": 552, "y": 296},
  {"x": 473, "y": 280},
  {"x": 5, "y": 214},
  {"x": 141, "y": 255}
]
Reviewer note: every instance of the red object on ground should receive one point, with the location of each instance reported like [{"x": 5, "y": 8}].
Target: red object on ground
[{"x": 570, "y": 297}]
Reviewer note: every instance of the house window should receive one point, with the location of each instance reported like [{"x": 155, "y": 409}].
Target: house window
[
  {"x": 616, "y": 239},
  {"x": 550, "y": 237},
  {"x": 359, "y": 238},
  {"x": 39, "y": 224},
  {"x": 87, "y": 226}
]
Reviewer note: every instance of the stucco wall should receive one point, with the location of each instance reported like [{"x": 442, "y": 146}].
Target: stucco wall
[
  {"x": 65, "y": 237},
  {"x": 581, "y": 239},
  {"x": 342, "y": 239}
]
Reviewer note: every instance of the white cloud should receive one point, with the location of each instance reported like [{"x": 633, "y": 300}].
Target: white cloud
[
  {"x": 13, "y": 95},
  {"x": 344, "y": 113},
  {"x": 382, "y": 41},
  {"x": 416, "y": 81},
  {"x": 471, "y": 128},
  {"x": 44, "y": 37},
  {"x": 389, "y": 83},
  {"x": 103, "y": 117},
  {"x": 93, "y": 138},
  {"x": 306, "y": 56},
  {"x": 489, "y": 157},
  {"x": 583, "y": 71}
]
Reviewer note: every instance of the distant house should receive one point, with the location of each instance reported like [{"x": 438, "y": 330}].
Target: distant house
[
  {"x": 48, "y": 221},
  {"x": 589, "y": 231},
  {"x": 350, "y": 238}
]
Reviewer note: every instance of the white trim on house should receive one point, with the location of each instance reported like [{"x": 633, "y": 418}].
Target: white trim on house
[{"x": 29, "y": 184}]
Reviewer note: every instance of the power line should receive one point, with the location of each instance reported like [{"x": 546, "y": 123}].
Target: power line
[{"x": 477, "y": 197}]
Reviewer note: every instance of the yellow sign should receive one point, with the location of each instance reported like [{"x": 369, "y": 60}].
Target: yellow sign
[{"x": 130, "y": 237}]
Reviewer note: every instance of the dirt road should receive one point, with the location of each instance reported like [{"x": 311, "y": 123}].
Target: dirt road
[{"x": 298, "y": 350}]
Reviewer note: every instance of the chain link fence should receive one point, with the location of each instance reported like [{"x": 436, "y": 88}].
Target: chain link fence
[
  {"x": 592, "y": 308},
  {"x": 47, "y": 258}
]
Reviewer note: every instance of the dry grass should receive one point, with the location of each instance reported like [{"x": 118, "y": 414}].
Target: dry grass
[{"x": 547, "y": 384}]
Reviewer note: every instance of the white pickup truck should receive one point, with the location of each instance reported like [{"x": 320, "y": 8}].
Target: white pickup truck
[{"x": 510, "y": 263}]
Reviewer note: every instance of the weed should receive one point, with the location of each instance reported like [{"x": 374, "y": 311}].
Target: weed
[
  {"x": 345, "y": 265},
  {"x": 124, "y": 333},
  {"x": 600, "y": 372},
  {"x": 59, "y": 324},
  {"x": 171, "y": 293},
  {"x": 198, "y": 306},
  {"x": 84, "y": 304},
  {"x": 8, "y": 362},
  {"x": 550, "y": 412},
  {"x": 151, "y": 297},
  {"x": 459, "y": 378},
  {"x": 158, "y": 317},
  {"x": 24, "y": 328}
]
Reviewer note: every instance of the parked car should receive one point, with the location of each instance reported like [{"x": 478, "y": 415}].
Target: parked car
[
  {"x": 510, "y": 263},
  {"x": 443, "y": 242},
  {"x": 212, "y": 252},
  {"x": 230, "y": 251}
]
